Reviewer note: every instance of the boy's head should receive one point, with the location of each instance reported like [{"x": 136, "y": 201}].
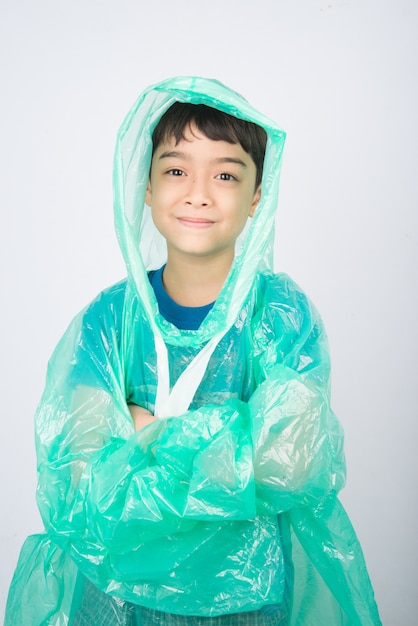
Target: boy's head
[
  {"x": 215, "y": 125},
  {"x": 204, "y": 183}
]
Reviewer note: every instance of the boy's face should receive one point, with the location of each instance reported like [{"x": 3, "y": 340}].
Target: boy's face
[{"x": 201, "y": 193}]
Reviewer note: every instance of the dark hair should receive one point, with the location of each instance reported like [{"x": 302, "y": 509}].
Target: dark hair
[{"x": 215, "y": 125}]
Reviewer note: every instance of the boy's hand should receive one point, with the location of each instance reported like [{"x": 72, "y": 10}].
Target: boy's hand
[{"x": 141, "y": 417}]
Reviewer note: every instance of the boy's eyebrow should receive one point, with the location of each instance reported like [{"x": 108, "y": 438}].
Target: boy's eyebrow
[
  {"x": 231, "y": 160},
  {"x": 172, "y": 154},
  {"x": 175, "y": 154}
]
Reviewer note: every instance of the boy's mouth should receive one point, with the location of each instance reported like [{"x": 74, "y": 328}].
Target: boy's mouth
[{"x": 195, "y": 222}]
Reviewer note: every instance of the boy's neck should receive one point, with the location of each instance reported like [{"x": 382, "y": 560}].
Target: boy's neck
[{"x": 194, "y": 283}]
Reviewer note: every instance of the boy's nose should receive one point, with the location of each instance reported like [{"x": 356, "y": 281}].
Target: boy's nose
[{"x": 197, "y": 194}]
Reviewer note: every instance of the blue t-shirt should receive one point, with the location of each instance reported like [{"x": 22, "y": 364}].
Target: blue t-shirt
[{"x": 184, "y": 317}]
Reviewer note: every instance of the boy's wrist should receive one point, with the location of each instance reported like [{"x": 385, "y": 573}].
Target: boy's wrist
[{"x": 141, "y": 417}]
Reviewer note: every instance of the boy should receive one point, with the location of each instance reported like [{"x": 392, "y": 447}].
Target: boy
[
  {"x": 201, "y": 192},
  {"x": 212, "y": 500}
]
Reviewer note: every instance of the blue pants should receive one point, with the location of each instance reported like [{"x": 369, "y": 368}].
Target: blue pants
[{"x": 98, "y": 608}]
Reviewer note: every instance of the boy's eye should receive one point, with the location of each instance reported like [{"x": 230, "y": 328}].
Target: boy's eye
[
  {"x": 226, "y": 176},
  {"x": 175, "y": 172}
]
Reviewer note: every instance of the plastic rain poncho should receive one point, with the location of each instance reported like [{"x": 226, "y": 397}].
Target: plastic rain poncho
[{"x": 201, "y": 512}]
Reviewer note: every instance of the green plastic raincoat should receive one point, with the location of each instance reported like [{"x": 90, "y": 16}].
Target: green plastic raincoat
[{"x": 197, "y": 513}]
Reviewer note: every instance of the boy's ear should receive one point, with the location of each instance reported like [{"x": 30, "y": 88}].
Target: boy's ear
[
  {"x": 148, "y": 193},
  {"x": 256, "y": 200}
]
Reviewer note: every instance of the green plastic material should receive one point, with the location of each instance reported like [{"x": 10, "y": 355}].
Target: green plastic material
[{"x": 194, "y": 514}]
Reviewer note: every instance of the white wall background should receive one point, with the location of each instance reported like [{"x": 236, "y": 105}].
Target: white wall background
[{"x": 341, "y": 79}]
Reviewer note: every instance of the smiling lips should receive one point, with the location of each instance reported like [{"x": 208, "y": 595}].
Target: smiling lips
[{"x": 195, "y": 222}]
